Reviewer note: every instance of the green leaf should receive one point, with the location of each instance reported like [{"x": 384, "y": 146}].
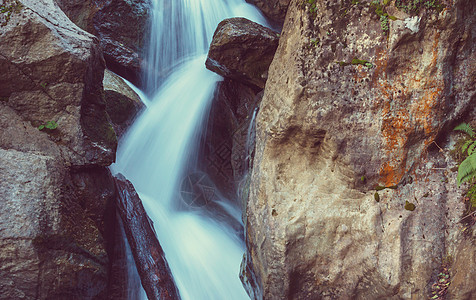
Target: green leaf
[
  {"x": 377, "y": 197},
  {"x": 51, "y": 125},
  {"x": 465, "y": 146},
  {"x": 467, "y": 169},
  {"x": 41, "y": 127},
  {"x": 466, "y": 128},
  {"x": 471, "y": 148}
]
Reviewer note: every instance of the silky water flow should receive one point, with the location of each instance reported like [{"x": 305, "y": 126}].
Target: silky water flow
[{"x": 203, "y": 253}]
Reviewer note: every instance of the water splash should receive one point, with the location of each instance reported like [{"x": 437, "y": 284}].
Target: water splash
[{"x": 203, "y": 253}]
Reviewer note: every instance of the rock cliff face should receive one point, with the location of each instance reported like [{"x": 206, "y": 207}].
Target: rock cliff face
[
  {"x": 356, "y": 95},
  {"x": 54, "y": 146}
]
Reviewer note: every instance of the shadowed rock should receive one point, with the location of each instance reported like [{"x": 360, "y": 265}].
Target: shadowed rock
[{"x": 54, "y": 187}]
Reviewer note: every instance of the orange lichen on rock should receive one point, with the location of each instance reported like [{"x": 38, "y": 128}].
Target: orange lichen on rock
[
  {"x": 391, "y": 175},
  {"x": 395, "y": 124},
  {"x": 415, "y": 112},
  {"x": 425, "y": 110}
]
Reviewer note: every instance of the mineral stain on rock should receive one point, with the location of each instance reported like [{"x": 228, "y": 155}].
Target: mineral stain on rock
[{"x": 379, "y": 121}]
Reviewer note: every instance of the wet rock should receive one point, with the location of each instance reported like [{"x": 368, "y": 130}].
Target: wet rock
[
  {"x": 275, "y": 10},
  {"x": 346, "y": 108},
  {"x": 54, "y": 185},
  {"x": 152, "y": 266},
  {"x": 242, "y": 50},
  {"x": 122, "y": 103},
  {"x": 121, "y": 26},
  {"x": 124, "y": 281}
]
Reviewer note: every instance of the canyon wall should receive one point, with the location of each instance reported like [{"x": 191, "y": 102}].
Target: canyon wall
[{"x": 353, "y": 190}]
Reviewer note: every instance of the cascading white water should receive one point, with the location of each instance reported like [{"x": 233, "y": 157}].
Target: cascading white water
[
  {"x": 204, "y": 255},
  {"x": 183, "y": 28}
]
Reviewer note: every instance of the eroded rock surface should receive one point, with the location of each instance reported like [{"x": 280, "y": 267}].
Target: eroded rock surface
[
  {"x": 348, "y": 107},
  {"x": 242, "y": 50},
  {"x": 54, "y": 187}
]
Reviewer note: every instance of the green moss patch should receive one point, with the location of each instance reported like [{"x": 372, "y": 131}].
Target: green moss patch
[
  {"x": 7, "y": 9},
  {"x": 415, "y": 6}
]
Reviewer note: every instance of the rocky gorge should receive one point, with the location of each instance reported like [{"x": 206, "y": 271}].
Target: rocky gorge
[{"x": 336, "y": 136}]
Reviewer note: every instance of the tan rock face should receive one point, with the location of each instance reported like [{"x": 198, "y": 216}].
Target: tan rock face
[
  {"x": 348, "y": 107},
  {"x": 54, "y": 187}
]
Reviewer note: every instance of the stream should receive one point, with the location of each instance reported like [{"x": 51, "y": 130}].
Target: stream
[{"x": 204, "y": 253}]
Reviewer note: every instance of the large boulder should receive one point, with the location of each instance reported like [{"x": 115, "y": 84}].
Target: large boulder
[
  {"x": 122, "y": 102},
  {"x": 54, "y": 74},
  {"x": 275, "y": 10},
  {"x": 353, "y": 104},
  {"x": 242, "y": 50},
  {"x": 121, "y": 26},
  {"x": 54, "y": 146}
]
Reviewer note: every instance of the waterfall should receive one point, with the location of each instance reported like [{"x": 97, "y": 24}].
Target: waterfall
[{"x": 204, "y": 254}]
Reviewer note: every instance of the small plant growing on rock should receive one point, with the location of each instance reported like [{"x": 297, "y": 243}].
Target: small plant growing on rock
[
  {"x": 440, "y": 288},
  {"x": 7, "y": 9},
  {"x": 50, "y": 125},
  {"x": 356, "y": 61},
  {"x": 380, "y": 8},
  {"x": 414, "y": 6},
  {"x": 467, "y": 168},
  {"x": 312, "y": 7},
  {"x": 384, "y": 23},
  {"x": 315, "y": 42}
]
